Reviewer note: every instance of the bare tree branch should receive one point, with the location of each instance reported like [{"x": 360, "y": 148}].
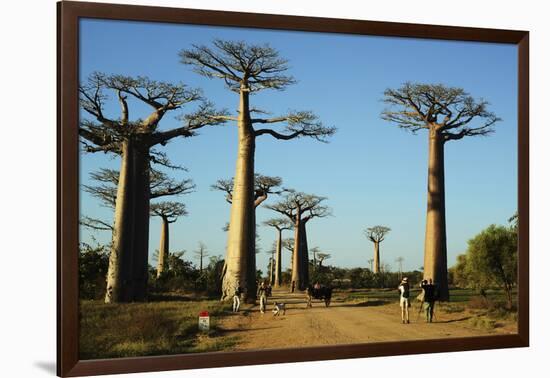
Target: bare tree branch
[
  {"x": 376, "y": 234},
  {"x": 446, "y": 110},
  {"x": 170, "y": 211}
]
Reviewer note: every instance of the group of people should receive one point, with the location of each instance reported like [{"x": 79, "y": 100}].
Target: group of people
[
  {"x": 264, "y": 291},
  {"x": 427, "y": 299}
]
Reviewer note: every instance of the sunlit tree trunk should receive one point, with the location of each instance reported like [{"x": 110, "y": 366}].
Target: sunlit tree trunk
[
  {"x": 278, "y": 255},
  {"x": 164, "y": 246},
  {"x": 376, "y": 262},
  {"x": 241, "y": 251},
  {"x": 304, "y": 281},
  {"x": 435, "y": 252},
  {"x": 119, "y": 275}
]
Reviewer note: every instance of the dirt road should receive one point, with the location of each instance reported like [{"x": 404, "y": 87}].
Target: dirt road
[{"x": 341, "y": 323}]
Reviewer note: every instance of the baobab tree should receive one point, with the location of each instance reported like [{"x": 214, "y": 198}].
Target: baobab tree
[
  {"x": 248, "y": 69},
  {"x": 376, "y": 234},
  {"x": 271, "y": 265},
  {"x": 448, "y": 114},
  {"x": 201, "y": 253},
  {"x": 169, "y": 212},
  {"x": 322, "y": 257},
  {"x": 399, "y": 262},
  {"x": 160, "y": 185},
  {"x": 263, "y": 187},
  {"x": 133, "y": 141},
  {"x": 300, "y": 208},
  {"x": 280, "y": 225}
]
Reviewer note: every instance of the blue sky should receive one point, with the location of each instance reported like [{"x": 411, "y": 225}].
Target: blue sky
[{"x": 371, "y": 171}]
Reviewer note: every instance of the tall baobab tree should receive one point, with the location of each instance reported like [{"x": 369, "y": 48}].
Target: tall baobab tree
[
  {"x": 133, "y": 141},
  {"x": 399, "y": 262},
  {"x": 160, "y": 185},
  {"x": 248, "y": 69},
  {"x": 376, "y": 234},
  {"x": 300, "y": 208},
  {"x": 169, "y": 212},
  {"x": 271, "y": 270},
  {"x": 447, "y": 113},
  {"x": 263, "y": 187},
  {"x": 280, "y": 225},
  {"x": 201, "y": 253}
]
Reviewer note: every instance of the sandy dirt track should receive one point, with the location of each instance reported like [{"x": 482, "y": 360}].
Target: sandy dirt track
[{"x": 341, "y": 323}]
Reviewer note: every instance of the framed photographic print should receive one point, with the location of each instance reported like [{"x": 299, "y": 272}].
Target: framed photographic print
[{"x": 238, "y": 188}]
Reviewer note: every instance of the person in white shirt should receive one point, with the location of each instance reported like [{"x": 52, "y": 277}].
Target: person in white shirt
[{"x": 404, "y": 291}]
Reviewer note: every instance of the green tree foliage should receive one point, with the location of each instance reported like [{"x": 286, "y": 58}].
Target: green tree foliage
[
  {"x": 213, "y": 276},
  {"x": 93, "y": 263},
  {"x": 492, "y": 258}
]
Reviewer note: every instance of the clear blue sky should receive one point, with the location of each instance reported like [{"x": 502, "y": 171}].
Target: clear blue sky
[{"x": 371, "y": 171}]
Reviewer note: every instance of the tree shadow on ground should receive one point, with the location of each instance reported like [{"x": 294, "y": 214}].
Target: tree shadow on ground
[
  {"x": 453, "y": 320},
  {"x": 369, "y": 303}
]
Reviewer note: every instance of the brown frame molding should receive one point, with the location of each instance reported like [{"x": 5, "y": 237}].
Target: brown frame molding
[{"x": 68, "y": 14}]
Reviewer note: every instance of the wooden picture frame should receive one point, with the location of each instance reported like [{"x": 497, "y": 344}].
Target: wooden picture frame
[{"x": 69, "y": 13}]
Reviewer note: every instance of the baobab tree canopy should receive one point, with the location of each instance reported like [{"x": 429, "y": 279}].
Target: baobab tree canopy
[
  {"x": 376, "y": 234},
  {"x": 448, "y": 110},
  {"x": 249, "y": 69},
  {"x": 169, "y": 210},
  {"x": 263, "y": 186},
  {"x": 106, "y": 134}
]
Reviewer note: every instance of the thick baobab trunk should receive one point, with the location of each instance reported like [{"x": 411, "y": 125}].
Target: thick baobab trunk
[
  {"x": 376, "y": 262},
  {"x": 164, "y": 247},
  {"x": 297, "y": 257},
  {"x": 305, "y": 258},
  {"x": 272, "y": 271},
  {"x": 119, "y": 274},
  {"x": 278, "y": 255},
  {"x": 241, "y": 236},
  {"x": 142, "y": 191},
  {"x": 435, "y": 245}
]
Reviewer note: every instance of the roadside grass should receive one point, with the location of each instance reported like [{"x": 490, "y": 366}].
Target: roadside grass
[
  {"x": 146, "y": 329},
  {"x": 487, "y": 312}
]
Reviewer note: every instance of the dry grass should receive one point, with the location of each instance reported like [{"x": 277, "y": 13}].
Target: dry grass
[{"x": 144, "y": 329}]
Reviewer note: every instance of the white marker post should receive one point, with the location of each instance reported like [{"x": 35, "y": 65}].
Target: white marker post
[{"x": 204, "y": 321}]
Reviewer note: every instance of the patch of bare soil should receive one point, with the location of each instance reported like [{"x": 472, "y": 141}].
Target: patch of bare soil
[{"x": 341, "y": 323}]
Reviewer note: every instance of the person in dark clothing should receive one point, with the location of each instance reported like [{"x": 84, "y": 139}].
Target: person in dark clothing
[{"x": 429, "y": 298}]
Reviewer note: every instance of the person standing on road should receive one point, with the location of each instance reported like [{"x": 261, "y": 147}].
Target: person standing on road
[
  {"x": 429, "y": 298},
  {"x": 404, "y": 293},
  {"x": 237, "y": 299},
  {"x": 262, "y": 294}
]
